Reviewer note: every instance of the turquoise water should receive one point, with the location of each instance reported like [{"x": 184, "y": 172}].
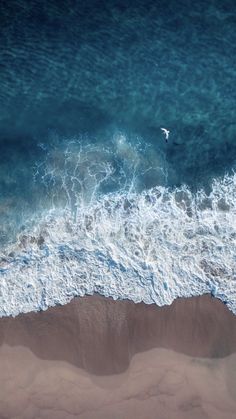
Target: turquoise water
[{"x": 85, "y": 89}]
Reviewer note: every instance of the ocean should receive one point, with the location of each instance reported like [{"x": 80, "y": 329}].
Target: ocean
[{"x": 93, "y": 199}]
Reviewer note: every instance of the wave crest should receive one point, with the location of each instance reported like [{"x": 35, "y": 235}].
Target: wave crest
[{"x": 152, "y": 246}]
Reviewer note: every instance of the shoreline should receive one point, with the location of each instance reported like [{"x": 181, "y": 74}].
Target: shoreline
[
  {"x": 97, "y": 358},
  {"x": 116, "y": 330}
]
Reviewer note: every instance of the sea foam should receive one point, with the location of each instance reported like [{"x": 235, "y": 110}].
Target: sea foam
[{"x": 152, "y": 246}]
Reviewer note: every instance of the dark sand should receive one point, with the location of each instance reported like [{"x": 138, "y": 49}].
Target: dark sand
[{"x": 96, "y": 358}]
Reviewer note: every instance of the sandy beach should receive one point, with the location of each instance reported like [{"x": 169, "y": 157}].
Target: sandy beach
[{"x": 99, "y": 358}]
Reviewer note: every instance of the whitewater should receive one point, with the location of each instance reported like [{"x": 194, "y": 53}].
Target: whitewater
[{"x": 152, "y": 245}]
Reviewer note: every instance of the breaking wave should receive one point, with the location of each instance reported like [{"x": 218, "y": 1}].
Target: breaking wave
[{"x": 153, "y": 245}]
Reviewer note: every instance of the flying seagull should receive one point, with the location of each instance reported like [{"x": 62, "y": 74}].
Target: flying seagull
[{"x": 166, "y": 132}]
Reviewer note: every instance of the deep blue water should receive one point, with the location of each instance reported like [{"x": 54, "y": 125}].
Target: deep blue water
[{"x": 98, "y": 79}]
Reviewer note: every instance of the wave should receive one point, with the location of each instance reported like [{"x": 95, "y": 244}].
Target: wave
[{"x": 152, "y": 246}]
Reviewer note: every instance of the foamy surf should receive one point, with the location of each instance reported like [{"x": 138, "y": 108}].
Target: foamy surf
[{"x": 152, "y": 246}]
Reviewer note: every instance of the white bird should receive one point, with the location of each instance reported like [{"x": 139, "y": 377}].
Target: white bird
[{"x": 166, "y": 132}]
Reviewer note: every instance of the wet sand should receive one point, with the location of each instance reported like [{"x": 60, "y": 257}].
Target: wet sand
[{"x": 99, "y": 358}]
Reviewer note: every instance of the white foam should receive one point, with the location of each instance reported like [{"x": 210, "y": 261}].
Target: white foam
[{"x": 153, "y": 246}]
